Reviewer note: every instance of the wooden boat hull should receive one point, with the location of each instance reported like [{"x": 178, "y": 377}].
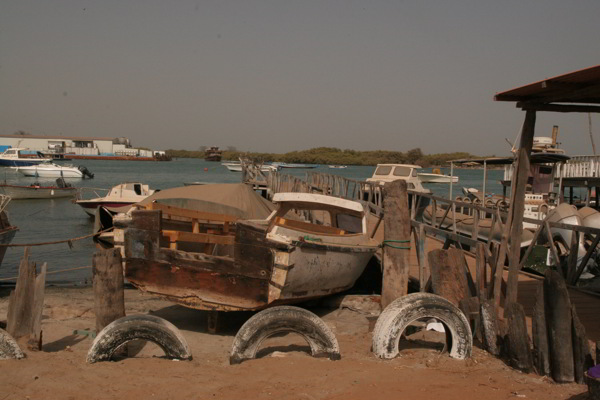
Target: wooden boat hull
[
  {"x": 17, "y": 192},
  {"x": 257, "y": 272}
]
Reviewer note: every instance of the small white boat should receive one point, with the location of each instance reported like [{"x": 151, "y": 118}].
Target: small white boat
[
  {"x": 291, "y": 165},
  {"x": 121, "y": 195},
  {"x": 51, "y": 170},
  {"x": 237, "y": 167},
  {"x": 16, "y": 157},
  {"x": 36, "y": 191},
  {"x": 338, "y": 166},
  {"x": 436, "y": 178}
]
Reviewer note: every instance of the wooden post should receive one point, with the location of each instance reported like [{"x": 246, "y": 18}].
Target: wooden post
[
  {"x": 541, "y": 358},
  {"x": 518, "y": 339},
  {"x": 581, "y": 351},
  {"x": 396, "y": 242},
  {"x": 517, "y": 205},
  {"x": 109, "y": 298}
]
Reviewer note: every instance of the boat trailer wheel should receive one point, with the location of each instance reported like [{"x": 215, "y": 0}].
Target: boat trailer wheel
[
  {"x": 134, "y": 327},
  {"x": 407, "y": 309},
  {"x": 280, "y": 319},
  {"x": 9, "y": 348}
]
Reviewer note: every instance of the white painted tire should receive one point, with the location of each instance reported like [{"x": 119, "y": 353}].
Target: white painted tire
[
  {"x": 279, "y": 319},
  {"x": 9, "y": 349},
  {"x": 134, "y": 327},
  {"x": 403, "y": 311}
]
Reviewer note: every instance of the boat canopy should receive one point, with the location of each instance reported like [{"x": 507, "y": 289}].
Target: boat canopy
[{"x": 535, "y": 158}]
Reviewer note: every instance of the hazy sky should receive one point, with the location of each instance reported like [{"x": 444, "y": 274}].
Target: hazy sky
[{"x": 277, "y": 76}]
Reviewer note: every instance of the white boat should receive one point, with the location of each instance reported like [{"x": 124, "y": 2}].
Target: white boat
[
  {"x": 436, "y": 178},
  {"x": 290, "y": 165},
  {"x": 338, "y": 166},
  {"x": 36, "y": 191},
  {"x": 121, "y": 195},
  {"x": 51, "y": 170},
  {"x": 16, "y": 157},
  {"x": 237, "y": 167},
  {"x": 392, "y": 172}
]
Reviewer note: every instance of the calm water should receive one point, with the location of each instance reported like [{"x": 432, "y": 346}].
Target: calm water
[{"x": 57, "y": 219}]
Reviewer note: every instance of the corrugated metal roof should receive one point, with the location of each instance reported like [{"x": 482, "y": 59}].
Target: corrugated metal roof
[
  {"x": 56, "y": 137},
  {"x": 581, "y": 86}
]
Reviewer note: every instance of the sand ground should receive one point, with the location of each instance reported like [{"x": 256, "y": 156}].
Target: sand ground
[{"x": 283, "y": 371}]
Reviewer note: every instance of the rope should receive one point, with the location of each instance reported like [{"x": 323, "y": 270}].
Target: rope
[
  {"x": 58, "y": 271},
  {"x": 385, "y": 243},
  {"x": 68, "y": 241}
]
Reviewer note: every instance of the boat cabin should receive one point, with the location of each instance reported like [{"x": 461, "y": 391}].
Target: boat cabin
[{"x": 391, "y": 172}]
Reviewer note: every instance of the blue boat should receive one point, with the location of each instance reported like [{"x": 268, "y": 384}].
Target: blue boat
[{"x": 16, "y": 157}]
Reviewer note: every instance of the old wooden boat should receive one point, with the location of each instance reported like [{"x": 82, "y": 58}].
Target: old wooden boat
[
  {"x": 37, "y": 191},
  {"x": 213, "y": 154},
  {"x": 311, "y": 246},
  {"x": 7, "y": 231}
]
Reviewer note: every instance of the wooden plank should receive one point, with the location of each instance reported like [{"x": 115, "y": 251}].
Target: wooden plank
[
  {"x": 109, "y": 297},
  {"x": 585, "y": 259},
  {"x": 480, "y": 271},
  {"x": 553, "y": 250},
  {"x": 518, "y": 352},
  {"x": 198, "y": 237},
  {"x": 35, "y": 342},
  {"x": 396, "y": 234},
  {"x": 530, "y": 247},
  {"x": 517, "y": 206},
  {"x": 582, "y": 358},
  {"x": 558, "y": 320},
  {"x": 448, "y": 278},
  {"x": 489, "y": 326},
  {"x": 541, "y": 356},
  {"x": 422, "y": 257},
  {"x": 572, "y": 258},
  {"x": 20, "y": 308},
  {"x": 191, "y": 214}
]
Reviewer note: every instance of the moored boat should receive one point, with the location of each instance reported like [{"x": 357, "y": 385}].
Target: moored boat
[
  {"x": 436, "y": 178},
  {"x": 121, "y": 195},
  {"x": 16, "y": 157},
  {"x": 37, "y": 191},
  {"x": 7, "y": 231},
  {"x": 231, "y": 264},
  {"x": 51, "y": 170}
]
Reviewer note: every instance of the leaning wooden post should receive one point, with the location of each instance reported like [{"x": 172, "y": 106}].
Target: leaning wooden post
[
  {"x": 109, "y": 298},
  {"x": 396, "y": 242},
  {"x": 517, "y": 206}
]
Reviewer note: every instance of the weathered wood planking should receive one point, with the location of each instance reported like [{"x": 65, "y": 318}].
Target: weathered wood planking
[
  {"x": 20, "y": 308},
  {"x": 448, "y": 277},
  {"x": 541, "y": 356},
  {"x": 109, "y": 297},
  {"x": 519, "y": 354}
]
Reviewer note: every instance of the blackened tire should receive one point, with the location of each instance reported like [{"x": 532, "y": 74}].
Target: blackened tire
[
  {"x": 280, "y": 319},
  {"x": 9, "y": 349},
  {"x": 134, "y": 327},
  {"x": 405, "y": 310}
]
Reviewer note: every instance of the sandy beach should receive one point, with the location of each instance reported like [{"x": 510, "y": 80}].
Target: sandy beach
[{"x": 284, "y": 370}]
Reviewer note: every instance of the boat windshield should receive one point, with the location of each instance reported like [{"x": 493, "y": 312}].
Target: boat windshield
[
  {"x": 383, "y": 170},
  {"x": 402, "y": 171}
]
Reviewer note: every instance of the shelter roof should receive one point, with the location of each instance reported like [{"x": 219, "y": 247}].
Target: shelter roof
[
  {"x": 578, "y": 87},
  {"x": 535, "y": 158}
]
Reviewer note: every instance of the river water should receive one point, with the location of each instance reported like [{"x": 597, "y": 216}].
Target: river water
[{"x": 58, "y": 219}]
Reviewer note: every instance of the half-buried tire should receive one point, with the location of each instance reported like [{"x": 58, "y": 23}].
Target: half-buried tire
[
  {"x": 280, "y": 319},
  {"x": 143, "y": 327},
  {"x": 405, "y": 310},
  {"x": 9, "y": 348}
]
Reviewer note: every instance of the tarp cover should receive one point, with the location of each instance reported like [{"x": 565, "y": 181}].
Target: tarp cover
[{"x": 220, "y": 198}]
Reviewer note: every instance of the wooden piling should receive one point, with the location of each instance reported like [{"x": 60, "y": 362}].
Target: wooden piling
[
  {"x": 396, "y": 240},
  {"x": 582, "y": 358},
  {"x": 518, "y": 340},
  {"x": 541, "y": 357},
  {"x": 558, "y": 321},
  {"x": 109, "y": 298}
]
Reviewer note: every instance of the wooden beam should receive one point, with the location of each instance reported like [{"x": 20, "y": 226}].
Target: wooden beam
[
  {"x": 557, "y": 107},
  {"x": 175, "y": 236},
  {"x": 517, "y": 205},
  {"x": 109, "y": 297}
]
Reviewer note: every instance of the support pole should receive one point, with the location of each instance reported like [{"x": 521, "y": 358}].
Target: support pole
[
  {"x": 517, "y": 206},
  {"x": 484, "y": 182},
  {"x": 451, "y": 175},
  {"x": 396, "y": 235}
]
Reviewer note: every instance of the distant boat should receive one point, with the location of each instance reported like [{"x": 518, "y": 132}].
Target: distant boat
[
  {"x": 213, "y": 154},
  {"x": 338, "y": 166},
  {"x": 237, "y": 167},
  {"x": 286, "y": 165},
  {"x": 121, "y": 195},
  {"x": 436, "y": 178},
  {"x": 36, "y": 191},
  {"x": 17, "y": 157},
  {"x": 51, "y": 170}
]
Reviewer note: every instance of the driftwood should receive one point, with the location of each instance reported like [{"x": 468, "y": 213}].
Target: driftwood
[
  {"x": 109, "y": 298},
  {"x": 396, "y": 235},
  {"x": 541, "y": 357},
  {"x": 26, "y": 303},
  {"x": 558, "y": 320},
  {"x": 517, "y": 341}
]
